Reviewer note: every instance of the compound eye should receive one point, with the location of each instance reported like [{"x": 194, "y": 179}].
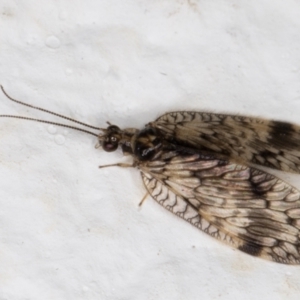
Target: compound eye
[
  {"x": 113, "y": 128},
  {"x": 110, "y": 144}
]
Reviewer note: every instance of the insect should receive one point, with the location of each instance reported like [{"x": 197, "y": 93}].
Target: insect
[{"x": 204, "y": 168}]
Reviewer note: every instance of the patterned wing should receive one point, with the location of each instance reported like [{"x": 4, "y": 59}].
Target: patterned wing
[
  {"x": 242, "y": 139},
  {"x": 249, "y": 209}
]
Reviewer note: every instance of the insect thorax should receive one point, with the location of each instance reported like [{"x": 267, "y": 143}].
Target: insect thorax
[{"x": 143, "y": 144}]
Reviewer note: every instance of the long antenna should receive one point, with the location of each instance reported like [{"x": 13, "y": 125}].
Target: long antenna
[
  {"x": 52, "y": 113},
  {"x": 46, "y": 111},
  {"x": 49, "y": 122}
]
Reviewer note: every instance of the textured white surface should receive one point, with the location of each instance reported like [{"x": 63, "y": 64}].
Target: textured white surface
[{"x": 71, "y": 231}]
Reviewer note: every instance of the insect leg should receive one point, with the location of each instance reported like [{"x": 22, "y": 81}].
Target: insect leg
[
  {"x": 143, "y": 199},
  {"x": 122, "y": 165}
]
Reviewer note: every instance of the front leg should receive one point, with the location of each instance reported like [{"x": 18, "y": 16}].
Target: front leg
[{"x": 122, "y": 165}]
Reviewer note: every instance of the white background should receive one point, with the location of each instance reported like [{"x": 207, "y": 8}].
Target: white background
[{"x": 71, "y": 231}]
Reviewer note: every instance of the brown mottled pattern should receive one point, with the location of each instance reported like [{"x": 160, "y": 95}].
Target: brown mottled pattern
[
  {"x": 269, "y": 143},
  {"x": 247, "y": 208}
]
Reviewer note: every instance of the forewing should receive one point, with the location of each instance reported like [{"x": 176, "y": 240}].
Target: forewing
[
  {"x": 249, "y": 209},
  {"x": 242, "y": 139}
]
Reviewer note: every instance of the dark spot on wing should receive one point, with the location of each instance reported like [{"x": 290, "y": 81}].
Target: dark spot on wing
[
  {"x": 256, "y": 190},
  {"x": 252, "y": 249},
  {"x": 266, "y": 154},
  {"x": 256, "y": 186},
  {"x": 222, "y": 163},
  {"x": 282, "y": 134}
]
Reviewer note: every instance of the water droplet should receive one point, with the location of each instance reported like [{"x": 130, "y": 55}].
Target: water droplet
[
  {"x": 60, "y": 139},
  {"x": 69, "y": 71},
  {"x": 85, "y": 288},
  {"x": 52, "y": 129},
  {"x": 53, "y": 42}
]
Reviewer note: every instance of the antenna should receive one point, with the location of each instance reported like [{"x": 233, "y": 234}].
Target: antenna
[{"x": 49, "y": 112}]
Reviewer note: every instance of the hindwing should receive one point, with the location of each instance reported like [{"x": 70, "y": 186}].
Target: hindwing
[{"x": 247, "y": 208}]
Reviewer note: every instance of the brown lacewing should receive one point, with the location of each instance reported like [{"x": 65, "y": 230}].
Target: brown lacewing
[{"x": 204, "y": 168}]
